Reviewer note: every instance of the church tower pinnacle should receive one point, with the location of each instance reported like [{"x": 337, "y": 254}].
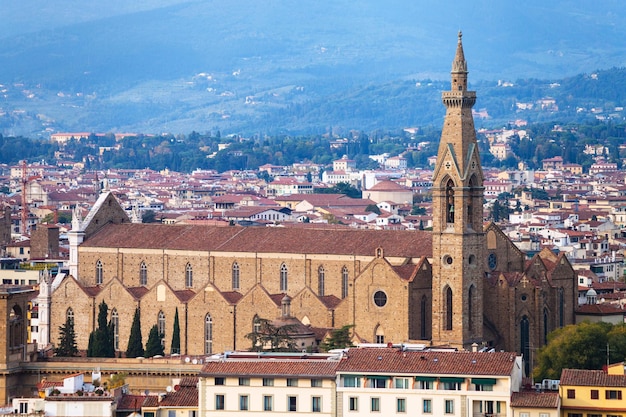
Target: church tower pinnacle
[{"x": 458, "y": 237}]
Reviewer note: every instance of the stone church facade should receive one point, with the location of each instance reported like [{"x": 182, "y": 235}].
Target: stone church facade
[{"x": 460, "y": 284}]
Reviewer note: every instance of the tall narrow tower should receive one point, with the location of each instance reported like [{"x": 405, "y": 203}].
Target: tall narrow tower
[{"x": 458, "y": 238}]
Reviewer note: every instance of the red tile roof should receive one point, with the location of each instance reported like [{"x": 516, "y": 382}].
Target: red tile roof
[
  {"x": 273, "y": 367},
  {"x": 533, "y": 399},
  {"x": 391, "y": 360},
  {"x": 585, "y": 377},
  {"x": 264, "y": 239},
  {"x": 185, "y": 396}
]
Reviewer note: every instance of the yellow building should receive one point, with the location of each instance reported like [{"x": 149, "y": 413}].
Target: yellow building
[{"x": 592, "y": 393}]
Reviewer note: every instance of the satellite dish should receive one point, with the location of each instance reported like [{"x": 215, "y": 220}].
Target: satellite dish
[
  {"x": 195, "y": 361},
  {"x": 169, "y": 388},
  {"x": 187, "y": 359}
]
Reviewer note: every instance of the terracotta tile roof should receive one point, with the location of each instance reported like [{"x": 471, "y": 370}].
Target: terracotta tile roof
[
  {"x": 131, "y": 402},
  {"x": 185, "y": 396},
  {"x": 277, "y": 298},
  {"x": 387, "y": 185},
  {"x": 184, "y": 295},
  {"x": 533, "y": 399},
  {"x": 585, "y": 377},
  {"x": 137, "y": 292},
  {"x": 330, "y": 301},
  {"x": 151, "y": 401},
  {"x": 274, "y": 367},
  {"x": 406, "y": 271},
  {"x": 600, "y": 309},
  {"x": 232, "y": 297},
  {"x": 391, "y": 360}
]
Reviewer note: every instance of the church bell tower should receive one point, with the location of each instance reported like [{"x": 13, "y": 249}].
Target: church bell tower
[{"x": 458, "y": 237}]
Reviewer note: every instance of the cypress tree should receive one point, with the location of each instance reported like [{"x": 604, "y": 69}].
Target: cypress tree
[
  {"x": 101, "y": 339},
  {"x": 135, "y": 344},
  {"x": 153, "y": 345},
  {"x": 67, "y": 340},
  {"x": 176, "y": 335}
]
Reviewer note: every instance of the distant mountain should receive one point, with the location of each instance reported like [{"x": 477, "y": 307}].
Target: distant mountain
[{"x": 278, "y": 66}]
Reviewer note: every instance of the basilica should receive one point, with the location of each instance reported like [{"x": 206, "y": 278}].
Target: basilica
[{"x": 463, "y": 283}]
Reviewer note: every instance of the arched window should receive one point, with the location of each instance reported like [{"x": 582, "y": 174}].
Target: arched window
[
  {"x": 188, "y": 276},
  {"x": 283, "y": 278},
  {"x": 546, "y": 326},
  {"x": 447, "y": 293},
  {"x": 561, "y": 307},
  {"x": 235, "y": 278},
  {"x": 470, "y": 208},
  {"x": 99, "y": 272},
  {"x": 143, "y": 274},
  {"x": 208, "y": 334},
  {"x": 161, "y": 325},
  {"x": 423, "y": 310},
  {"x": 69, "y": 315},
  {"x": 470, "y": 307},
  {"x": 379, "y": 334},
  {"x": 256, "y": 324},
  {"x": 450, "y": 201},
  {"x": 344, "y": 282},
  {"x": 115, "y": 323},
  {"x": 525, "y": 341},
  {"x": 16, "y": 327},
  {"x": 320, "y": 281}
]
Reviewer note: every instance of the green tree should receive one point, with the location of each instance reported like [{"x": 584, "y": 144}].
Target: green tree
[
  {"x": 67, "y": 340},
  {"x": 373, "y": 208},
  {"x": 135, "y": 343},
  {"x": 338, "y": 339},
  {"x": 101, "y": 340},
  {"x": 176, "y": 335},
  {"x": 153, "y": 345},
  {"x": 579, "y": 346},
  {"x": 268, "y": 337}
]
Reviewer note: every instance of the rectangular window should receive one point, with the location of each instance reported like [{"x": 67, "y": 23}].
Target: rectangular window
[
  {"x": 268, "y": 403},
  {"x": 219, "y": 401},
  {"x": 268, "y": 382},
  {"x": 243, "y": 402},
  {"x": 594, "y": 415},
  {"x": 219, "y": 381},
  {"x": 292, "y": 382},
  {"x": 316, "y": 383},
  {"x": 428, "y": 406},
  {"x": 401, "y": 405},
  {"x": 595, "y": 394},
  {"x": 571, "y": 393},
  {"x": 484, "y": 387},
  {"x": 292, "y": 403},
  {"x": 377, "y": 382},
  {"x": 375, "y": 402},
  {"x": 426, "y": 385},
  {"x": 544, "y": 415},
  {"x": 351, "y": 381},
  {"x": 244, "y": 381},
  {"x": 171, "y": 413},
  {"x": 401, "y": 383},
  {"x": 354, "y": 404},
  {"x": 316, "y": 404},
  {"x": 612, "y": 394},
  {"x": 449, "y": 406},
  {"x": 574, "y": 415},
  {"x": 524, "y": 414},
  {"x": 451, "y": 386}
]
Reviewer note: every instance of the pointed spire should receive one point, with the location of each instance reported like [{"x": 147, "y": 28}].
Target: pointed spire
[{"x": 459, "y": 64}]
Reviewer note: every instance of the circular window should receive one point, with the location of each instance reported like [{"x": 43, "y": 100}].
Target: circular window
[
  {"x": 524, "y": 297},
  {"x": 380, "y": 298},
  {"x": 447, "y": 260}
]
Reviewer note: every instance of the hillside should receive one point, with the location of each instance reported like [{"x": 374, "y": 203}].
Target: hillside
[{"x": 270, "y": 66}]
